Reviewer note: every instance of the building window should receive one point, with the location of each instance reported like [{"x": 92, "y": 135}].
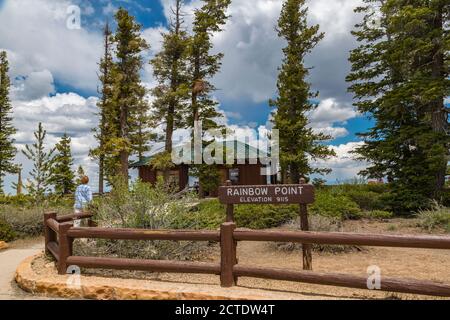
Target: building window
[{"x": 234, "y": 175}]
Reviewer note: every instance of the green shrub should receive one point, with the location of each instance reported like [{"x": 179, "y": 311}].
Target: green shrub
[
  {"x": 378, "y": 214},
  {"x": 336, "y": 205},
  {"x": 366, "y": 200},
  {"x": 436, "y": 217},
  {"x": 210, "y": 214},
  {"x": 19, "y": 201},
  {"x": 207, "y": 214},
  {"x": 6, "y": 232},
  {"x": 27, "y": 201},
  {"x": 264, "y": 216},
  {"x": 141, "y": 206},
  {"x": 26, "y": 222}
]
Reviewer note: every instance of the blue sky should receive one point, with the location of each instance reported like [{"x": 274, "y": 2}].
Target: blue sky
[{"x": 56, "y": 68}]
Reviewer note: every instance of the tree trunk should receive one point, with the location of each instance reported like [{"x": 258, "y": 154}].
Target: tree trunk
[
  {"x": 439, "y": 114},
  {"x": 169, "y": 137},
  {"x": 124, "y": 154},
  {"x": 101, "y": 174}
]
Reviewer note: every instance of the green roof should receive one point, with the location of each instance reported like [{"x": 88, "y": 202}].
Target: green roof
[{"x": 237, "y": 146}]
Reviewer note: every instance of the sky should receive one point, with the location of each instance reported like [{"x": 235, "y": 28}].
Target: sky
[{"x": 54, "y": 69}]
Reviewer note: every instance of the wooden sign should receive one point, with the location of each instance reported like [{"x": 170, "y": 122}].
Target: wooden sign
[{"x": 269, "y": 194}]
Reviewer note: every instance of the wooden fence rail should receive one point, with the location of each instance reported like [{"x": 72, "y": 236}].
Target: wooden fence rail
[{"x": 60, "y": 234}]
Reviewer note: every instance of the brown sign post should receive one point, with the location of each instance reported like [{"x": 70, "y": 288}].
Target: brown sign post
[{"x": 301, "y": 194}]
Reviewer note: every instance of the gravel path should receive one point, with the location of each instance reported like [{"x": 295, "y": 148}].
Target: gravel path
[{"x": 9, "y": 260}]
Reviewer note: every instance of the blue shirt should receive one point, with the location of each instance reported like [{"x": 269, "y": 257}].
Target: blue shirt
[{"x": 83, "y": 196}]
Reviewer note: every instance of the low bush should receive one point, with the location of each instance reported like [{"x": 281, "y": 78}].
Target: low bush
[
  {"x": 6, "y": 232},
  {"x": 141, "y": 206},
  {"x": 378, "y": 214},
  {"x": 19, "y": 201},
  {"x": 210, "y": 214},
  {"x": 332, "y": 203},
  {"x": 264, "y": 216},
  {"x": 27, "y": 222},
  {"x": 27, "y": 201},
  {"x": 438, "y": 217},
  {"x": 366, "y": 200}
]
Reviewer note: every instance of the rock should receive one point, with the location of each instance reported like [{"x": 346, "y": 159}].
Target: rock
[
  {"x": 3, "y": 245},
  {"x": 103, "y": 288}
]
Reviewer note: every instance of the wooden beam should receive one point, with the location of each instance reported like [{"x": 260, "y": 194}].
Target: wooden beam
[
  {"x": 49, "y": 234},
  {"x": 145, "y": 265},
  {"x": 341, "y": 238},
  {"x": 53, "y": 224},
  {"x": 53, "y": 249},
  {"x": 71, "y": 217},
  {"x": 142, "y": 234},
  {"x": 343, "y": 280}
]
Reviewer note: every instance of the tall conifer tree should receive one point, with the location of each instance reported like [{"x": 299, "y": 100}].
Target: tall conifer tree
[
  {"x": 203, "y": 65},
  {"x": 128, "y": 91},
  {"x": 107, "y": 125},
  {"x": 7, "y": 130},
  {"x": 42, "y": 160},
  {"x": 298, "y": 142},
  {"x": 170, "y": 70},
  {"x": 400, "y": 78},
  {"x": 62, "y": 177}
]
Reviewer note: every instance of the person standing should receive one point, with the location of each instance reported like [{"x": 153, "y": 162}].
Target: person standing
[{"x": 83, "y": 197}]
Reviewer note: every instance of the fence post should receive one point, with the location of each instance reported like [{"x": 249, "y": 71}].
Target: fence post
[
  {"x": 65, "y": 247},
  {"x": 50, "y": 235},
  {"x": 304, "y": 226},
  {"x": 228, "y": 255}
]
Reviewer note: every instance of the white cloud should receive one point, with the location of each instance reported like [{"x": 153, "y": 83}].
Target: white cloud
[
  {"x": 42, "y": 50},
  {"x": 109, "y": 9},
  {"x": 38, "y": 39},
  {"x": 345, "y": 166},
  {"x": 330, "y": 113},
  {"x": 253, "y": 50},
  {"x": 63, "y": 113},
  {"x": 34, "y": 86}
]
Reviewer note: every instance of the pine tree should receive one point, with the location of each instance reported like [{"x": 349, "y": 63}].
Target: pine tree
[
  {"x": 127, "y": 88},
  {"x": 203, "y": 66},
  {"x": 209, "y": 19},
  {"x": 62, "y": 177},
  {"x": 80, "y": 174},
  {"x": 7, "y": 149},
  {"x": 107, "y": 125},
  {"x": 400, "y": 78},
  {"x": 298, "y": 142},
  {"x": 141, "y": 122},
  {"x": 170, "y": 70},
  {"x": 41, "y": 174}
]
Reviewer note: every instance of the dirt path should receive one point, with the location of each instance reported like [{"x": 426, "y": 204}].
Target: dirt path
[{"x": 9, "y": 260}]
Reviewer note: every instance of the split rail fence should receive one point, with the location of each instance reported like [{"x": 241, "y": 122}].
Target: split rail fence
[{"x": 60, "y": 234}]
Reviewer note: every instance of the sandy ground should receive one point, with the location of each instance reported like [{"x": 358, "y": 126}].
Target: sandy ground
[
  {"x": 9, "y": 260},
  {"x": 421, "y": 264}
]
